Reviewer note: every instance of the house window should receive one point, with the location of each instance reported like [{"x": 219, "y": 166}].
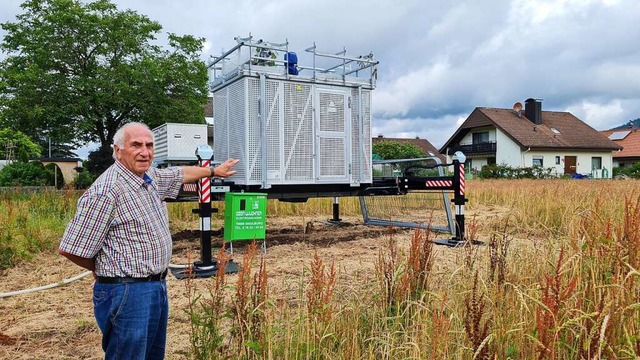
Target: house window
[
  {"x": 557, "y": 160},
  {"x": 596, "y": 162},
  {"x": 538, "y": 161},
  {"x": 481, "y": 137}
]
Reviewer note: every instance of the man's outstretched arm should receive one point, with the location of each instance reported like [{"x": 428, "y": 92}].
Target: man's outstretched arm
[{"x": 193, "y": 173}]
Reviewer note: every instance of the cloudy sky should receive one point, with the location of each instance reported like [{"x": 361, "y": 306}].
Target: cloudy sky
[{"x": 440, "y": 59}]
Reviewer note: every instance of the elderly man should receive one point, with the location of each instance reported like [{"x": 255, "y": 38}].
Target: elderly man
[{"x": 121, "y": 233}]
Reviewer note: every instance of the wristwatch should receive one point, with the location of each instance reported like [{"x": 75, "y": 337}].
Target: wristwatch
[{"x": 212, "y": 169}]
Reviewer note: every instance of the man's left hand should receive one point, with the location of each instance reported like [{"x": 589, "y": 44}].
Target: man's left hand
[{"x": 224, "y": 170}]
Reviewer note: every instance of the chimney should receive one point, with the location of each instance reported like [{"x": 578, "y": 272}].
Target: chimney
[
  {"x": 380, "y": 136},
  {"x": 533, "y": 110}
]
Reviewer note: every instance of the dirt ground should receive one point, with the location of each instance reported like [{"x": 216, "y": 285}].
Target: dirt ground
[{"x": 58, "y": 323}]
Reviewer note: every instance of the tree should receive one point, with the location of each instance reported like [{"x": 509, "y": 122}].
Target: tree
[
  {"x": 99, "y": 160},
  {"x": 77, "y": 71},
  {"x": 389, "y": 150},
  {"x": 20, "y": 141},
  {"x": 23, "y": 156},
  {"x": 58, "y": 150},
  {"x": 392, "y": 150}
]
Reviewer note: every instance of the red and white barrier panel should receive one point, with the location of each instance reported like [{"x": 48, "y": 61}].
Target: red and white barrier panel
[
  {"x": 439, "y": 183},
  {"x": 190, "y": 187}
]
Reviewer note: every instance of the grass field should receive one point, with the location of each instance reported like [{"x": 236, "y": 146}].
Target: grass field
[{"x": 558, "y": 278}]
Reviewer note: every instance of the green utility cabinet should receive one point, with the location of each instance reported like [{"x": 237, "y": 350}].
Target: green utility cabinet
[{"x": 245, "y": 216}]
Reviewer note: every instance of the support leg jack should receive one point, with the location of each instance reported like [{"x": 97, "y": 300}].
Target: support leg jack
[
  {"x": 455, "y": 242},
  {"x": 335, "y": 220},
  {"x": 200, "y": 270}
]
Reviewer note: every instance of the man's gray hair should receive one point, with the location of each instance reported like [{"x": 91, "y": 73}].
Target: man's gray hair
[{"x": 118, "y": 138}]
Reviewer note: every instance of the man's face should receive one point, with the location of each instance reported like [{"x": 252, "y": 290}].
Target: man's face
[{"x": 137, "y": 152}]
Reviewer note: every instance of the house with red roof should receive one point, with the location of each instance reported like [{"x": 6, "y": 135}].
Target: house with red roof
[
  {"x": 529, "y": 137},
  {"x": 629, "y": 140}
]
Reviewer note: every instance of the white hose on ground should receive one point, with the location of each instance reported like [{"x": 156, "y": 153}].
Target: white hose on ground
[
  {"x": 67, "y": 281},
  {"x": 186, "y": 266},
  {"x": 63, "y": 282},
  {"x": 178, "y": 266}
]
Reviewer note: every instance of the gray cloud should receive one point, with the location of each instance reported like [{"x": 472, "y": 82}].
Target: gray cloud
[{"x": 440, "y": 59}]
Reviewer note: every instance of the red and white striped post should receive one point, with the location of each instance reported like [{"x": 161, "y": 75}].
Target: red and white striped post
[
  {"x": 205, "y": 154},
  {"x": 458, "y": 198},
  {"x": 462, "y": 179},
  {"x": 204, "y": 185}
]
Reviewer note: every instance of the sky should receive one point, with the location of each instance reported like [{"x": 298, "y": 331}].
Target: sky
[{"x": 440, "y": 59}]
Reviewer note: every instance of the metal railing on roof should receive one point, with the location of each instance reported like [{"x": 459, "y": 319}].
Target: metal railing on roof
[{"x": 250, "y": 55}]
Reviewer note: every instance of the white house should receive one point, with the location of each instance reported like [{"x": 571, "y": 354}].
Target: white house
[{"x": 517, "y": 138}]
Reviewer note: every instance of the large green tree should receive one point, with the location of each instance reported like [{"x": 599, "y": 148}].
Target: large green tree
[
  {"x": 19, "y": 142},
  {"x": 394, "y": 150},
  {"x": 389, "y": 150},
  {"x": 76, "y": 71}
]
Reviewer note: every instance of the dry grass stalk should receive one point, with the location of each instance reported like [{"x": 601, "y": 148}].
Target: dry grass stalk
[
  {"x": 589, "y": 349},
  {"x": 472, "y": 227},
  {"x": 440, "y": 331},
  {"x": 610, "y": 248},
  {"x": 243, "y": 306},
  {"x": 419, "y": 263},
  {"x": 320, "y": 288},
  {"x": 259, "y": 297},
  {"x": 630, "y": 266},
  {"x": 555, "y": 292},
  {"x": 477, "y": 328},
  {"x": 498, "y": 248},
  {"x": 630, "y": 240},
  {"x": 219, "y": 283},
  {"x": 207, "y": 316},
  {"x": 470, "y": 251},
  {"x": 387, "y": 267}
]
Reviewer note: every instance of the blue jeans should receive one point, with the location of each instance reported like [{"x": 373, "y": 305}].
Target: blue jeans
[{"x": 133, "y": 319}]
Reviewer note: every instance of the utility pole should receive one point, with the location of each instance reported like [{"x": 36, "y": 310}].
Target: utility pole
[{"x": 55, "y": 169}]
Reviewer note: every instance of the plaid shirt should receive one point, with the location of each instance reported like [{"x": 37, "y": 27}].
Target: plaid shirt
[{"x": 123, "y": 223}]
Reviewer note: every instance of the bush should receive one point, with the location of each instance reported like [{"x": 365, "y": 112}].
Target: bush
[
  {"x": 24, "y": 174},
  {"x": 507, "y": 172},
  {"x": 632, "y": 171},
  {"x": 492, "y": 172},
  {"x": 83, "y": 181}
]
